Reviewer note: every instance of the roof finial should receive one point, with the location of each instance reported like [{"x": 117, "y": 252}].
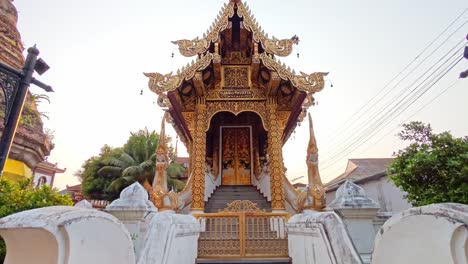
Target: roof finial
[
  {"x": 161, "y": 151},
  {"x": 312, "y": 148}
]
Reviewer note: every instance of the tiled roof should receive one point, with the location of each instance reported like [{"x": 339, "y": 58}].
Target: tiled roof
[{"x": 358, "y": 169}]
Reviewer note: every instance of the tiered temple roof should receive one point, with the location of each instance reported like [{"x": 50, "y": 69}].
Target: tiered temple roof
[{"x": 235, "y": 46}]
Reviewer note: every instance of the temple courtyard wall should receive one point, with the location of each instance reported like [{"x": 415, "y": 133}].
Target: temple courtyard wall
[{"x": 133, "y": 231}]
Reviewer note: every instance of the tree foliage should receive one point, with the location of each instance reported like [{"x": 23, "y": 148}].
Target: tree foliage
[
  {"x": 104, "y": 176},
  {"x": 433, "y": 168},
  {"x": 20, "y": 196}
]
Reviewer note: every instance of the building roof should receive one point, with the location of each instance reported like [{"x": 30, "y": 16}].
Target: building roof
[
  {"x": 218, "y": 58},
  {"x": 360, "y": 169},
  {"x": 74, "y": 188},
  {"x": 182, "y": 160}
]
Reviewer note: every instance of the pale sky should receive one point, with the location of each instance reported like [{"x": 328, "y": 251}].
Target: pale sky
[{"x": 98, "y": 51}]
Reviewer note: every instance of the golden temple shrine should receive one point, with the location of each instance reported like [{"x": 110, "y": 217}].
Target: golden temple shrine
[{"x": 234, "y": 107}]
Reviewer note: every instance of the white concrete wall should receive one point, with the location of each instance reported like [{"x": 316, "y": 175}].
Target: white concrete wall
[
  {"x": 320, "y": 238},
  {"x": 171, "y": 238},
  {"x": 65, "y": 235},
  {"x": 432, "y": 234}
]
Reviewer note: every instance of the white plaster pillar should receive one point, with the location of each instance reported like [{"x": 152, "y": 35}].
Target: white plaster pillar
[
  {"x": 135, "y": 211},
  {"x": 359, "y": 212},
  {"x": 320, "y": 238}
]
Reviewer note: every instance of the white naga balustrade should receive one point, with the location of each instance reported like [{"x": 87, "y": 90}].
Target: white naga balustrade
[
  {"x": 211, "y": 183},
  {"x": 263, "y": 184}
]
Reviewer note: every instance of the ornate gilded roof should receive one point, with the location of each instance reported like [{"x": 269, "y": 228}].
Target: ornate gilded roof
[
  {"x": 279, "y": 47},
  {"x": 161, "y": 83}
]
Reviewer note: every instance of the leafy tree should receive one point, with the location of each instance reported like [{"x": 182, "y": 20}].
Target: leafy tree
[
  {"x": 104, "y": 176},
  {"x": 433, "y": 168},
  {"x": 20, "y": 196},
  {"x": 92, "y": 184}
]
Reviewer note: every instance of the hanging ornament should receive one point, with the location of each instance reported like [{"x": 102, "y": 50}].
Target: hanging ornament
[
  {"x": 172, "y": 55},
  {"x": 141, "y": 92}
]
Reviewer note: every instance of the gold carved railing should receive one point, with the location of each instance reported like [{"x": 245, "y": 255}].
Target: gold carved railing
[{"x": 243, "y": 231}]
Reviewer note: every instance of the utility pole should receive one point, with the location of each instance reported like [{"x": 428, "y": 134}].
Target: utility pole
[
  {"x": 464, "y": 74},
  {"x": 15, "y": 84}
]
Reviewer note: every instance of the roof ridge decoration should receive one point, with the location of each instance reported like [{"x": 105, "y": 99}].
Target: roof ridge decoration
[
  {"x": 159, "y": 83},
  {"x": 279, "y": 47},
  {"x": 189, "y": 48},
  {"x": 309, "y": 83}
]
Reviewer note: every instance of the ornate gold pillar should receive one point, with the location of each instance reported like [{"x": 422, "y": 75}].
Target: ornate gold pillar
[
  {"x": 198, "y": 159},
  {"x": 276, "y": 165}
]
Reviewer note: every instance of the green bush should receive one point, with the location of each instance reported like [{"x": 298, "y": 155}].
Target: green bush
[
  {"x": 433, "y": 168},
  {"x": 20, "y": 196}
]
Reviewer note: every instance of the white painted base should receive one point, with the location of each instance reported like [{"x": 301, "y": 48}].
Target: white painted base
[
  {"x": 432, "y": 234},
  {"x": 171, "y": 238},
  {"x": 65, "y": 235},
  {"x": 320, "y": 237}
]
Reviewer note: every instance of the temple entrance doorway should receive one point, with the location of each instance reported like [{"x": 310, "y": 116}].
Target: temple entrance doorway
[
  {"x": 236, "y": 155},
  {"x": 235, "y": 147}
]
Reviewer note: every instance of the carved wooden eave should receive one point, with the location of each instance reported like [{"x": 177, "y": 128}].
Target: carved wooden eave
[
  {"x": 159, "y": 83},
  {"x": 162, "y": 83},
  {"x": 197, "y": 46}
]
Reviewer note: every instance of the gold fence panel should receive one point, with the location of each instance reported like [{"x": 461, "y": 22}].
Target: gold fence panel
[{"x": 244, "y": 234}]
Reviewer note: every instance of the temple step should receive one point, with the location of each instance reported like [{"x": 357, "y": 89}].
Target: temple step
[
  {"x": 246, "y": 261},
  {"x": 227, "y": 194}
]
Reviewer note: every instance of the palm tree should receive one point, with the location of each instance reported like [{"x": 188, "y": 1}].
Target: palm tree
[
  {"x": 136, "y": 162},
  {"x": 130, "y": 169}
]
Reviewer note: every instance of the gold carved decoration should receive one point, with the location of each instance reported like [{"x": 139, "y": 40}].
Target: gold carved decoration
[
  {"x": 242, "y": 206},
  {"x": 236, "y": 85},
  {"x": 283, "y": 117},
  {"x": 235, "y": 77},
  {"x": 198, "y": 157},
  {"x": 309, "y": 83},
  {"x": 237, "y": 107},
  {"x": 315, "y": 198},
  {"x": 189, "y": 120},
  {"x": 189, "y": 48},
  {"x": 159, "y": 190},
  {"x": 163, "y": 101},
  {"x": 236, "y": 57},
  {"x": 275, "y": 162},
  {"x": 274, "y": 46},
  {"x": 159, "y": 83}
]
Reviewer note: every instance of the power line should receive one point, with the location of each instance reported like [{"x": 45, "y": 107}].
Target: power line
[
  {"x": 366, "y": 106},
  {"x": 363, "y": 129},
  {"x": 397, "y": 110},
  {"x": 416, "y": 112},
  {"x": 345, "y": 126}
]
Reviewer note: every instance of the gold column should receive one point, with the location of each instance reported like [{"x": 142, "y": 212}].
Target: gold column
[
  {"x": 199, "y": 153},
  {"x": 276, "y": 157}
]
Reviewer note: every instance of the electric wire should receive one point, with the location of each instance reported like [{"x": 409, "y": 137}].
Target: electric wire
[
  {"x": 355, "y": 116},
  {"x": 399, "y": 108},
  {"x": 413, "y": 114},
  {"x": 385, "y": 107}
]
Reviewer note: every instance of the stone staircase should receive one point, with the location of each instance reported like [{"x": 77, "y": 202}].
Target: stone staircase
[{"x": 226, "y": 194}]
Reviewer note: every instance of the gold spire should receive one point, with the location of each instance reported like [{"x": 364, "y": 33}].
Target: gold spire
[
  {"x": 312, "y": 148},
  {"x": 316, "y": 188},
  {"x": 162, "y": 145}
]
